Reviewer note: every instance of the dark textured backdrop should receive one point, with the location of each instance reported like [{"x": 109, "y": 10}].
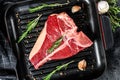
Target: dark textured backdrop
[
  {"x": 113, "y": 57},
  {"x": 113, "y": 60}
]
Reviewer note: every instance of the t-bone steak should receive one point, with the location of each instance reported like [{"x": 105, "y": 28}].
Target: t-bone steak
[{"x": 59, "y": 29}]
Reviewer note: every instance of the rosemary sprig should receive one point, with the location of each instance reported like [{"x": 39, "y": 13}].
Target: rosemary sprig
[
  {"x": 55, "y": 45},
  {"x": 58, "y": 68},
  {"x": 112, "y": 2},
  {"x": 31, "y": 25},
  {"x": 31, "y": 10},
  {"x": 113, "y": 14}
]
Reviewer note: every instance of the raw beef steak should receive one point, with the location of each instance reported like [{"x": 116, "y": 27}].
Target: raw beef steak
[{"x": 59, "y": 39}]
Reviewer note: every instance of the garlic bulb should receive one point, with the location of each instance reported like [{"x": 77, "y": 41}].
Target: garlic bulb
[{"x": 103, "y": 7}]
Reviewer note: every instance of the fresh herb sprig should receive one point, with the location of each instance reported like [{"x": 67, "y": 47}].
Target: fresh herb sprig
[
  {"x": 113, "y": 14},
  {"x": 31, "y": 10},
  {"x": 55, "y": 45},
  {"x": 113, "y": 17},
  {"x": 31, "y": 25},
  {"x": 58, "y": 68},
  {"x": 112, "y": 2}
]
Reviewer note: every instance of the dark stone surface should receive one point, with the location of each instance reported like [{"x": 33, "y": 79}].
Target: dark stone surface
[
  {"x": 113, "y": 60},
  {"x": 112, "y": 71}
]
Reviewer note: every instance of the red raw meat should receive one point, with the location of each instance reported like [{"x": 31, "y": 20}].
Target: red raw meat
[{"x": 58, "y": 25}]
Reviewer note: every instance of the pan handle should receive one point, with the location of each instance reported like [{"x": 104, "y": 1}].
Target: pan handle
[{"x": 107, "y": 34}]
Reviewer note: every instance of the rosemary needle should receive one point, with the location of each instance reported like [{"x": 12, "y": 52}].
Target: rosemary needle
[
  {"x": 31, "y": 10},
  {"x": 55, "y": 45},
  {"x": 58, "y": 68},
  {"x": 31, "y": 25}
]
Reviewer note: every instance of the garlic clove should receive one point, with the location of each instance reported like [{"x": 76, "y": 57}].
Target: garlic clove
[
  {"x": 75, "y": 9},
  {"x": 82, "y": 65},
  {"x": 103, "y": 7}
]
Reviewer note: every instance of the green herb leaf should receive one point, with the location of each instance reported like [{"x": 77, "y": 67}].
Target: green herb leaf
[
  {"x": 58, "y": 68},
  {"x": 113, "y": 14},
  {"x": 31, "y": 25},
  {"x": 55, "y": 45},
  {"x": 31, "y": 10},
  {"x": 112, "y": 2}
]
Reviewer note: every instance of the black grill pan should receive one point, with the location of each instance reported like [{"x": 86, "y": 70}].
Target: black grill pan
[{"x": 87, "y": 20}]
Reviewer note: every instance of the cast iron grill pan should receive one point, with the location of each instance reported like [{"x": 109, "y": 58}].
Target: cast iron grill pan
[{"x": 86, "y": 20}]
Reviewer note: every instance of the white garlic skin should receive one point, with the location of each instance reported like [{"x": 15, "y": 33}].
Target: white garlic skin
[{"x": 103, "y": 7}]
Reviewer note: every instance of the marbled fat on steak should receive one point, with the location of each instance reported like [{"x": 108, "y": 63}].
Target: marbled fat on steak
[{"x": 58, "y": 27}]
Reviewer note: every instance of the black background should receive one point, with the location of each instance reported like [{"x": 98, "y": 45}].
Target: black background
[{"x": 112, "y": 71}]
